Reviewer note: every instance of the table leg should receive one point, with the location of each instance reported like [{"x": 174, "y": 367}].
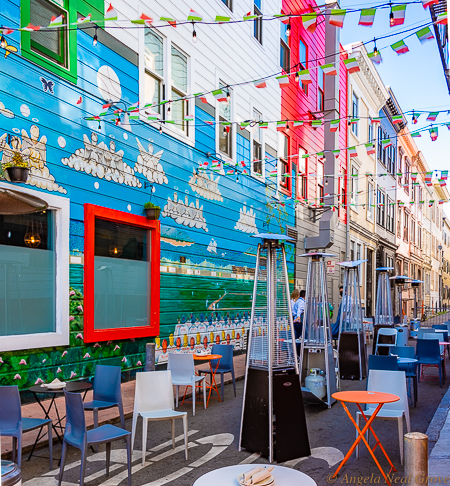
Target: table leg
[
  {"x": 361, "y": 436},
  {"x": 213, "y": 385}
]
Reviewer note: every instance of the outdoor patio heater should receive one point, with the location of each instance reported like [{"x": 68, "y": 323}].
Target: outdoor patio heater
[
  {"x": 399, "y": 281},
  {"x": 415, "y": 284},
  {"x": 384, "y": 316},
  {"x": 273, "y": 419},
  {"x": 351, "y": 345},
  {"x": 317, "y": 369}
]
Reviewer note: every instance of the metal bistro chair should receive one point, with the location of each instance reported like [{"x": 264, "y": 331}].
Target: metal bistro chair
[
  {"x": 12, "y": 424},
  {"x": 428, "y": 354},
  {"x": 386, "y": 331},
  {"x": 225, "y": 364},
  {"x": 77, "y": 436}
]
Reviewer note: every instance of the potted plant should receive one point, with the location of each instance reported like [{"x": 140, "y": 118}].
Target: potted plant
[
  {"x": 17, "y": 169},
  {"x": 152, "y": 210}
]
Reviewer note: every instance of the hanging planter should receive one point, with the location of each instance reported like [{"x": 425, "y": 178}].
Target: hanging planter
[
  {"x": 152, "y": 211},
  {"x": 17, "y": 169}
]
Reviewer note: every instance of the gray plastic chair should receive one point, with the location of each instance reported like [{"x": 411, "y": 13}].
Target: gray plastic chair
[
  {"x": 386, "y": 331},
  {"x": 77, "y": 436}
]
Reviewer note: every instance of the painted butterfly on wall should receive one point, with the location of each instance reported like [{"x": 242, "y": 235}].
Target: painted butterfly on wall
[{"x": 47, "y": 85}]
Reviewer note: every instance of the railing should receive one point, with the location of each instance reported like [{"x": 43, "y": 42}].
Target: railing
[{"x": 434, "y": 315}]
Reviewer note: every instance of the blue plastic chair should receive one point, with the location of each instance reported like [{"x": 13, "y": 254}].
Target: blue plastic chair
[
  {"x": 409, "y": 368},
  {"x": 428, "y": 353},
  {"x": 387, "y": 363},
  {"x": 12, "y": 424},
  {"x": 225, "y": 364},
  {"x": 107, "y": 392},
  {"x": 77, "y": 436}
]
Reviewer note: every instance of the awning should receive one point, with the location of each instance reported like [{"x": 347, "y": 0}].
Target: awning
[{"x": 15, "y": 202}]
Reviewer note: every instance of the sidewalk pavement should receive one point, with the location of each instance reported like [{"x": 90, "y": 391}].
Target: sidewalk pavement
[
  {"x": 105, "y": 416},
  {"x": 439, "y": 435}
]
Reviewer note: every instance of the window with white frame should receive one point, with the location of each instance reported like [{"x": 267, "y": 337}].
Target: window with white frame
[
  {"x": 399, "y": 222},
  {"x": 354, "y": 185},
  {"x": 370, "y": 201},
  {"x": 154, "y": 70},
  {"x": 390, "y": 213},
  {"x": 407, "y": 175},
  {"x": 285, "y": 51},
  {"x": 413, "y": 231},
  {"x": 258, "y": 22},
  {"x": 320, "y": 187},
  {"x": 225, "y": 131},
  {"x": 320, "y": 90},
  {"x": 406, "y": 227},
  {"x": 303, "y": 61},
  {"x": 284, "y": 162},
  {"x": 302, "y": 171},
  {"x": 34, "y": 276},
  {"x": 352, "y": 250},
  {"x": 370, "y": 131},
  {"x": 257, "y": 158},
  {"x": 179, "y": 83},
  {"x": 381, "y": 210},
  {"x": 355, "y": 112}
]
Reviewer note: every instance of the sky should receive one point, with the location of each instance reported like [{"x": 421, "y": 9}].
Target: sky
[{"x": 416, "y": 78}]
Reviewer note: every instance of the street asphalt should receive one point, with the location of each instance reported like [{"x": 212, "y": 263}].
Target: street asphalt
[{"x": 213, "y": 443}]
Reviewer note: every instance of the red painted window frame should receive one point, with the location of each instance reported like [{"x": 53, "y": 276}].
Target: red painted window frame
[{"x": 91, "y": 212}]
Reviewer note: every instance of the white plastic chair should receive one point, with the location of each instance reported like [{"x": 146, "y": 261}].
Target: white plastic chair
[
  {"x": 153, "y": 400},
  {"x": 386, "y": 331},
  {"x": 388, "y": 382},
  {"x": 183, "y": 373}
]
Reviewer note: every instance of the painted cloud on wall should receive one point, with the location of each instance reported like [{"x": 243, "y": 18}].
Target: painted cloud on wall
[
  {"x": 34, "y": 150},
  {"x": 149, "y": 164},
  {"x": 99, "y": 160},
  {"x": 247, "y": 221},
  {"x": 206, "y": 185},
  {"x": 185, "y": 213}
]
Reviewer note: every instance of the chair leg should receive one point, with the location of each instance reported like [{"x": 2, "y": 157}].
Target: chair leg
[
  {"x": 173, "y": 433},
  {"x": 122, "y": 417},
  {"x": 204, "y": 393},
  {"x": 400, "y": 437},
  {"x": 108, "y": 457},
  {"x": 222, "y": 375},
  {"x": 14, "y": 448},
  {"x": 234, "y": 381},
  {"x": 19, "y": 450},
  {"x": 95, "y": 413},
  {"x": 185, "y": 430},
  {"x": 133, "y": 429},
  {"x": 63, "y": 462},
  {"x": 193, "y": 398},
  {"x": 50, "y": 444},
  {"x": 83, "y": 465},
  {"x": 127, "y": 440},
  {"x": 144, "y": 438},
  {"x": 177, "y": 391}
]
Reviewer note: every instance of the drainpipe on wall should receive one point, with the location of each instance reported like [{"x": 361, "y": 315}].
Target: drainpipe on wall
[{"x": 327, "y": 222}]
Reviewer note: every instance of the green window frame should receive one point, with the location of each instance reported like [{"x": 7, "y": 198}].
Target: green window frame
[{"x": 65, "y": 65}]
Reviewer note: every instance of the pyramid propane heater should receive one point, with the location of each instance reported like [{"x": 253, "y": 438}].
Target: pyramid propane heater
[
  {"x": 317, "y": 370},
  {"x": 273, "y": 419},
  {"x": 384, "y": 316},
  {"x": 351, "y": 346}
]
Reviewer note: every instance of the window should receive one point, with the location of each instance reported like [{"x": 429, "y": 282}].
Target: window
[
  {"x": 406, "y": 228},
  {"x": 413, "y": 231},
  {"x": 121, "y": 286},
  {"x": 34, "y": 276},
  {"x": 284, "y": 161},
  {"x": 257, "y": 145},
  {"x": 302, "y": 177},
  {"x": 320, "y": 191},
  {"x": 320, "y": 90},
  {"x": 354, "y": 185},
  {"x": 355, "y": 111},
  {"x": 226, "y": 132},
  {"x": 303, "y": 62},
  {"x": 391, "y": 157},
  {"x": 154, "y": 70},
  {"x": 370, "y": 130},
  {"x": 352, "y": 250},
  {"x": 258, "y": 23},
  {"x": 179, "y": 88},
  {"x": 228, "y": 3},
  {"x": 407, "y": 174},
  {"x": 370, "y": 201},
  {"x": 381, "y": 152},
  {"x": 285, "y": 52},
  {"x": 390, "y": 215},
  {"x": 420, "y": 199},
  {"x": 49, "y": 47},
  {"x": 399, "y": 222},
  {"x": 400, "y": 165},
  {"x": 381, "y": 209},
  {"x": 406, "y": 269}
]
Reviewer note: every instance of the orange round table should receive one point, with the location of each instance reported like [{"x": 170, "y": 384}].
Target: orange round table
[
  {"x": 365, "y": 397},
  {"x": 212, "y": 385}
]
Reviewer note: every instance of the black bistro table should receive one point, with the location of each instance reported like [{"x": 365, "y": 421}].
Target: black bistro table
[{"x": 71, "y": 386}]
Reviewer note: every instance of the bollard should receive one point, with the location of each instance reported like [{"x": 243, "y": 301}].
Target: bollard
[
  {"x": 150, "y": 357},
  {"x": 416, "y": 457}
]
